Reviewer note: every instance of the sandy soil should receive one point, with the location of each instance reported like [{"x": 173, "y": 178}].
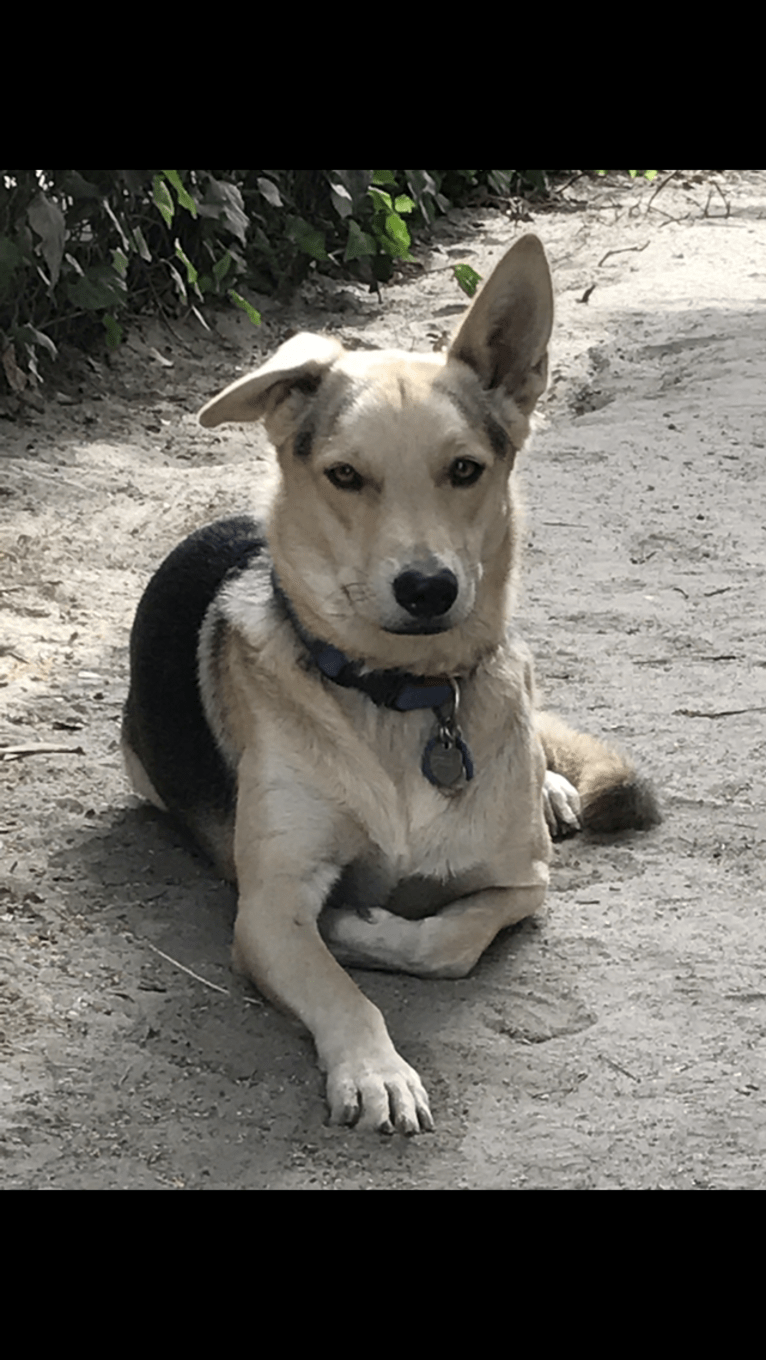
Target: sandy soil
[{"x": 619, "y": 1041}]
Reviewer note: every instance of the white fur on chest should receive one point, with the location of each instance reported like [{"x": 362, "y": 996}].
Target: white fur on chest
[{"x": 436, "y": 831}]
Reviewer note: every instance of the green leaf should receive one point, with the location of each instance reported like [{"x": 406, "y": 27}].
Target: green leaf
[
  {"x": 342, "y": 200},
  {"x": 10, "y": 258},
  {"x": 228, "y": 199},
  {"x": 113, "y": 330},
  {"x": 383, "y": 177},
  {"x": 270, "y": 191},
  {"x": 78, "y": 187},
  {"x": 500, "y": 180},
  {"x": 355, "y": 182},
  {"x": 381, "y": 200},
  {"x": 184, "y": 198},
  {"x": 162, "y": 199},
  {"x": 537, "y": 178},
  {"x": 191, "y": 272},
  {"x": 424, "y": 190},
  {"x": 398, "y": 237},
  {"x": 99, "y": 288},
  {"x": 178, "y": 281},
  {"x": 241, "y": 302},
  {"x": 403, "y": 204},
  {"x": 467, "y": 278},
  {"x": 120, "y": 262},
  {"x": 110, "y": 213},
  {"x": 308, "y": 239},
  {"x": 46, "y": 218},
  {"x": 221, "y": 268},
  {"x": 141, "y": 246},
  {"x": 359, "y": 243},
  {"x": 29, "y": 334}
]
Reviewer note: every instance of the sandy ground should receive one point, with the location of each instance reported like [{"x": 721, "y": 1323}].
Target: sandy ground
[{"x": 618, "y": 1041}]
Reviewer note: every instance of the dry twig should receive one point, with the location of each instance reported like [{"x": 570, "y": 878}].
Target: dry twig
[
  {"x": 660, "y": 187},
  {"x": 250, "y": 1000},
  {"x": 621, "y": 251},
  {"x": 717, "y": 713}
]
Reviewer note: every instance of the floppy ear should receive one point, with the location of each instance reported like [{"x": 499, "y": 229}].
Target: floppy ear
[
  {"x": 300, "y": 363},
  {"x": 504, "y": 338}
]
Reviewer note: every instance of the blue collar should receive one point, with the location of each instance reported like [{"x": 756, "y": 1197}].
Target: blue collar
[{"x": 395, "y": 689}]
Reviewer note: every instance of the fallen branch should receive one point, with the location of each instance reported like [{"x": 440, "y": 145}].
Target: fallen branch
[
  {"x": 722, "y": 713},
  {"x": 42, "y": 749}
]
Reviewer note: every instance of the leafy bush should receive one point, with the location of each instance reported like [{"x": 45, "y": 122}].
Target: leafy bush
[
  {"x": 83, "y": 250},
  {"x": 645, "y": 174}
]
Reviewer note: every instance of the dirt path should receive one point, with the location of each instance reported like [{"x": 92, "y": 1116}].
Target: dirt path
[{"x": 620, "y": 1040}]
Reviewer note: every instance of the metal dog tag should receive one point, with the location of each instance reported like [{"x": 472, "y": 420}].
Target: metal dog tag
[
  {"x": 443, "y": 765},
  {"x": 446, "y": 759}
]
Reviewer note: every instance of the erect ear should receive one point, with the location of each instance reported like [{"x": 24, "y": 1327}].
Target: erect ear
[
  {"x": 300, "y": 363},
  {"x": 504, "y": 338}
]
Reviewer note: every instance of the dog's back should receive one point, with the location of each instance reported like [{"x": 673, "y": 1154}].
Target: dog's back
[{"x": 169, "y": 749}]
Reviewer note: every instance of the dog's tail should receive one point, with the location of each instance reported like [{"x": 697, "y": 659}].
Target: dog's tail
[{"x": 614, "y": 796}]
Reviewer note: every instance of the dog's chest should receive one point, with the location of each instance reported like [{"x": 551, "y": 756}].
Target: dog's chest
[{"x": 417, "y": 828}]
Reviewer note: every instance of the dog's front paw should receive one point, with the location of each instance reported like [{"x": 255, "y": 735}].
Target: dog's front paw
[
  {"x": 561, "y": 805},
  {"x": 383, "y": 1094}
]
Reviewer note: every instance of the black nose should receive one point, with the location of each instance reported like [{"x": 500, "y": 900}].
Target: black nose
[{"x": 426, "y": 596}]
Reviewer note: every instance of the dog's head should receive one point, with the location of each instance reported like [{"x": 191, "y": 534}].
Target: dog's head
[{"x": 393, "y": 531}]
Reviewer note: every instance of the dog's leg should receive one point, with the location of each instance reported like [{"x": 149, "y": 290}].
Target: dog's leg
[
  {"x": 277, "y": 943},
  {"x": 446, "y": 945}
]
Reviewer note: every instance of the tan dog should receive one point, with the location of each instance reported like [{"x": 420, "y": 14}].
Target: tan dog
[{"x": 334, "y": 704}]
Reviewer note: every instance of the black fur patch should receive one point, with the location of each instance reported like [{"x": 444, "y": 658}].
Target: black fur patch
[
  {"x": 498, "y": 439},
  {"x": 308, "y": 384},
  {"x": 304, "y": 440},
  {"x": 630, "y": 806},
  {"x": 164, "y": 721},
  {"x": 476, "y": 414}
]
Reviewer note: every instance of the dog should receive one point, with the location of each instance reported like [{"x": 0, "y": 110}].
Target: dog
[{"x": 332, "y": 699}]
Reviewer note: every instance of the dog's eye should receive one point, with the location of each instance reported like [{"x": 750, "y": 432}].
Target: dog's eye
[
  {"x": 345, "y": 477},
  {"x": 464, "y": 472}
]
